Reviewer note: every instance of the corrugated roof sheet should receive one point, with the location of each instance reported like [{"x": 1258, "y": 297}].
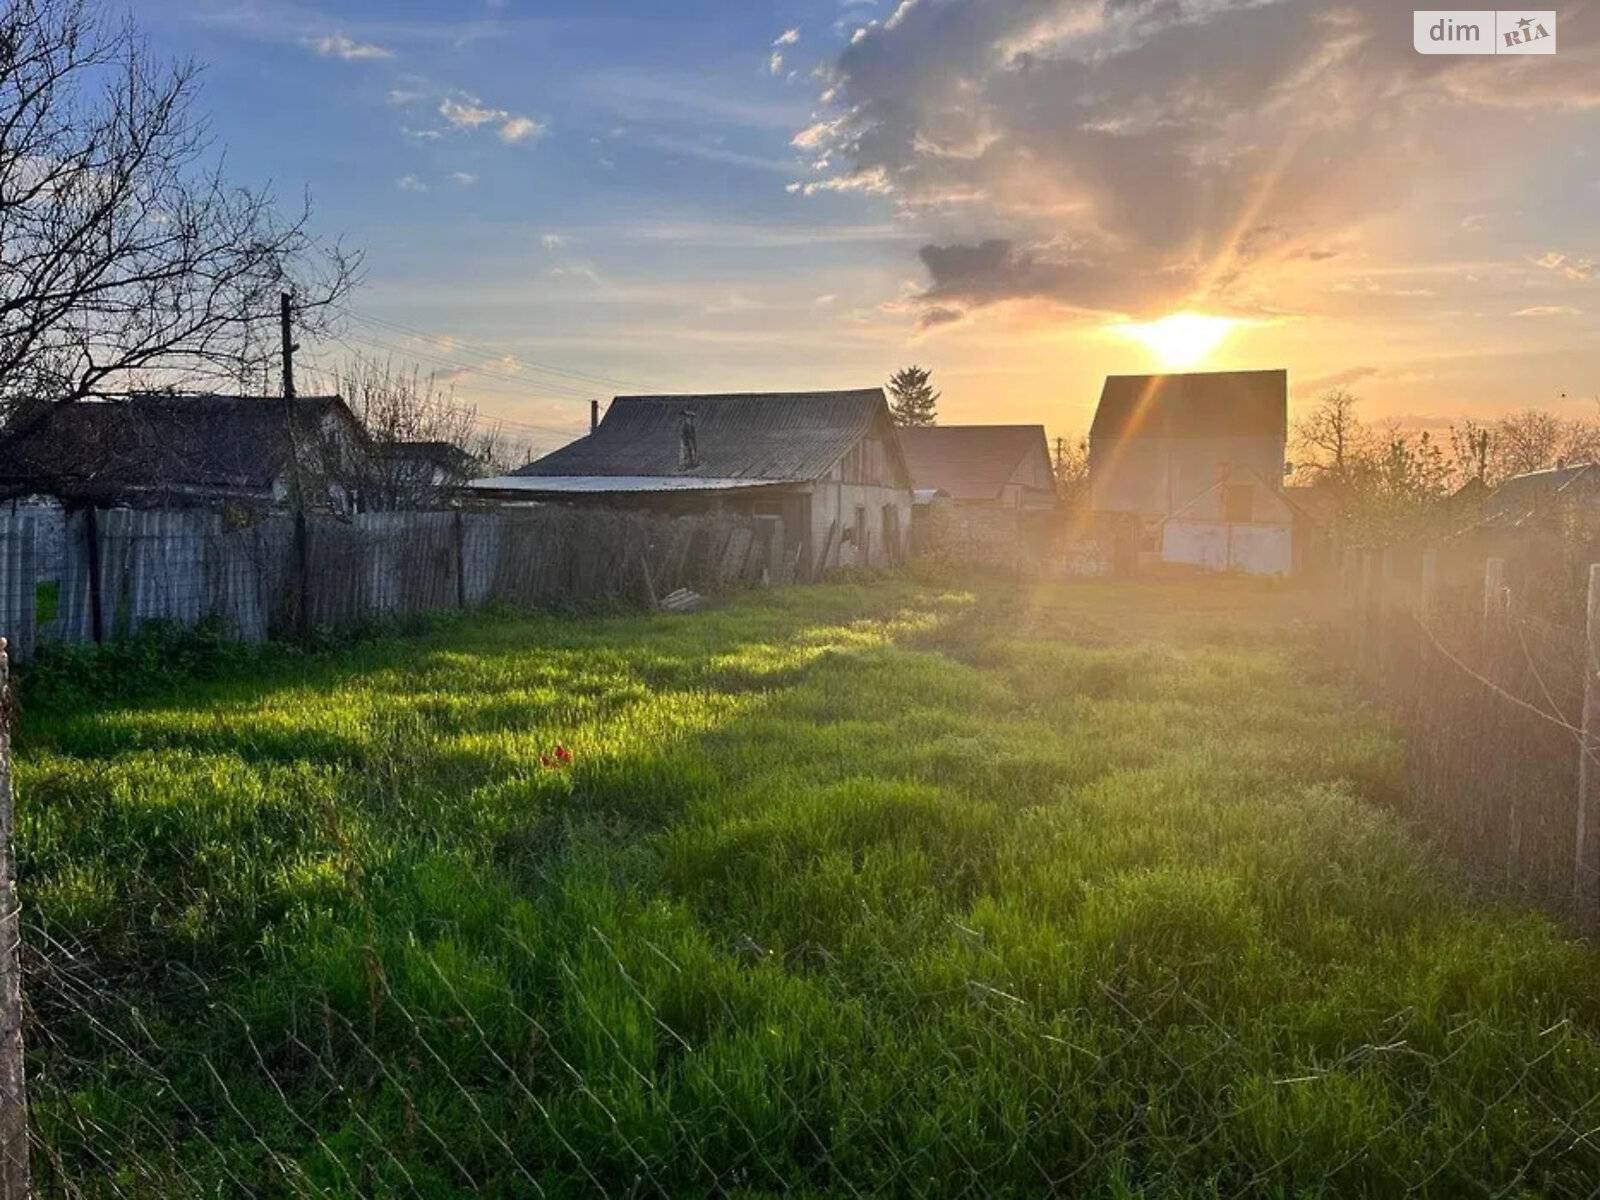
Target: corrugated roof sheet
[
  {"x": 150, "y": 442},
  {"x": 1518, "y": 498},
  {"x": 1197, "y": 404},
  {"x": 604, "y": 484},
  {"x": 771, "y": 437},
  {"x": 971, "y": 462}
]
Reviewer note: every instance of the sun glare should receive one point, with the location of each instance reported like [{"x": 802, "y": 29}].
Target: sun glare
[{"x": 1180, "y": 340}]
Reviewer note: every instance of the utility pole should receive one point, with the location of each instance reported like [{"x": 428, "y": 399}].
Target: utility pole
[{"x": 286, "y": 328}]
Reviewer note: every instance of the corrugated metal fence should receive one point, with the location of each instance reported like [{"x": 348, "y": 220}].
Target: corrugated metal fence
[{"x": 98, "y": 575}]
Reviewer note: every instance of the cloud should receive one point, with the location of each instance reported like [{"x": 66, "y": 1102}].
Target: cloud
[
  {"x": 410, "y": 183},
  {"x": 517, "y": 129},
  {"x": 1135, "y": 154},
  {"x": 1549, "y": 310},
  {"x": 1575, "y": 269},
  {"x": 775, "y": 63},
  {"x": 464, "y": 178},
  {"x": 337, "y": 45},
  {"x": 552, "y": 241},
  {"x": 403, "y": 96},
  {"x": 787, "y": 38},
  {"x": 874, "y": 180},
  {"x": 1339, "y": 379},
  {"x": 467, "y": 113}
]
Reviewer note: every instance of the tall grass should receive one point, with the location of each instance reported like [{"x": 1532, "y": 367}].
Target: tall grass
[{"x": 1088, "y": 890}]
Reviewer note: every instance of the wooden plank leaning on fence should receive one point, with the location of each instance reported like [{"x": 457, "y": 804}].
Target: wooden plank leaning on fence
[
  {"x": 14, "y": 1179},
  {"x": 1586, "y": 858}
]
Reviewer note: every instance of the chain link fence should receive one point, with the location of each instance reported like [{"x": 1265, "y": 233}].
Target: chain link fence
[{"x": 1489, "y": 667}]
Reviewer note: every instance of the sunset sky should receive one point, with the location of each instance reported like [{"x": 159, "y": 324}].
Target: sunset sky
[{"x": 580, "y": 198}]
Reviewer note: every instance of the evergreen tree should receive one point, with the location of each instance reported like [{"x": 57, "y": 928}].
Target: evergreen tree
[{"x": 912, "y": 400}]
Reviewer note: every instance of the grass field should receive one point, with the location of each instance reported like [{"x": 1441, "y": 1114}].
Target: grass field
[{"x": 861, "y": 889}]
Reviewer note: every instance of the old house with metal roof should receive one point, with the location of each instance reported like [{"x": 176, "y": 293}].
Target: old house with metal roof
[
  {"x": 1199, "y": 459},
  {"x": 175, "y": 450},
  {"x": 1006, "y": 466},
  {"x": 828, "y": 465},
  {"x": 1525, "y": 500}
]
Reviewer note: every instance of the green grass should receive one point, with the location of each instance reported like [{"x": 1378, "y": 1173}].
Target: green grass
[{"x": 1092, "y": 890}]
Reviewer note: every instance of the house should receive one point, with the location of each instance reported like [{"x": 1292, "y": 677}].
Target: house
[
  {"x": 1239, "y": 523},
  {"x": 1007, "y": 466},
  {"x": 415, "y": 474},
  {"x": 1202, "y": 449},
  {"x": 828, "y": 464},
  {"x": 173, "y": 450},
  {"x": 1525, "y": 499}
]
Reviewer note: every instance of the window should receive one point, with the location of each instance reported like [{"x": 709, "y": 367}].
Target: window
[{"x": 1238, "y": 503}]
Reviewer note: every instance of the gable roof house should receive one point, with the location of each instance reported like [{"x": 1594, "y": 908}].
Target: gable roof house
[
  {"x": 1203, "y": 449},
  {"x": 1001, "y": 465},
  {"x": 1527, "y": 500},
  {"x": 827, "y": 463},
  {"x": 160, "y": 449},
  {"x": 403, "y": 475}
]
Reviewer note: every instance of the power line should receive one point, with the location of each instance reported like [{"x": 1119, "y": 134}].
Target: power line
[
  {"x": 479, "y": 419},
  {"x": 559, "y": 390},
  {"x": 492, "y": 353},
  {"x": 521, "y": 392}
]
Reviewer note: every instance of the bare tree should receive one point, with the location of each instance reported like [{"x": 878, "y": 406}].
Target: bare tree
[
  {"x": 1530, "y": 440},
  {"x": 125, "y": 255},
  {"x": 1070, "y": 464},
  {"x": 423, "y": 441},
  {"x": 1470, "y": 445},
  {"x": 1331, "y": 439}
]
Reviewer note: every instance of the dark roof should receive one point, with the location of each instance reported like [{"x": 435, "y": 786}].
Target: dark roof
[
  {"x": 159, "y": 442},
  {"x": 971, "y": 462},
  {"x": 447, "y": 456},
  {"x": 1204, "y": 404},
  {"x": 1519, "y": 498},
  {"x": 792, "y": 437}
]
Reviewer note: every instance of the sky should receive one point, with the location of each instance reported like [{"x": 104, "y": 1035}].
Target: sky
[{"x": 565, "y": 200}]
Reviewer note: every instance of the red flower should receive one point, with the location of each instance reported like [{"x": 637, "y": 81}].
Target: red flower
[
  {"x": 546, "y": 761},
  {"x": 564, "y": 755}
]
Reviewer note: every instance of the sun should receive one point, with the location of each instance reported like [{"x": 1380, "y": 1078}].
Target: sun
[{"x": 1181, "y": 340}]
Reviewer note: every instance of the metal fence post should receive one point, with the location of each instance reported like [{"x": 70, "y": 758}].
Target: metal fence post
[
  {"x": 1494, "y": 599},
  {"x": 1364, "y": 609},
  {"x": 1385, "y": 609},
  {"x": 14, "y": 1176},
  {"x": 1496, "y": 615},
  {"x": 1586, "y": 859},
  {"x": 1428, "y": 589}
]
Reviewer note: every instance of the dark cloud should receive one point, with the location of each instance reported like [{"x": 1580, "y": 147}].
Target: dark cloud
[
  {"x": 1116, "y": 155},
  {"x": 967, "y": 276}
]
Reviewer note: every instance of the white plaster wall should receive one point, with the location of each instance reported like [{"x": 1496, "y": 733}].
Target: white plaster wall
[{"x": 1215, "y": 546}]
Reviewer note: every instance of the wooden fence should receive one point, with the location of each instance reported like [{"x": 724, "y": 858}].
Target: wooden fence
[
  {"x": 96, "y": 575},
  {"x": 1500, "y": 705}
]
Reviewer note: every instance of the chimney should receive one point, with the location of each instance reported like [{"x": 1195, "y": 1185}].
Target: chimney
[{"x": 594, "y": 415}]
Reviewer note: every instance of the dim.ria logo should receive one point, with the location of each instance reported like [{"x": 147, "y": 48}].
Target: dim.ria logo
[{"x": 1484, "y": 31}]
